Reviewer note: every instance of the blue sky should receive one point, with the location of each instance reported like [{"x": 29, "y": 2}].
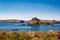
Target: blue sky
[{"x": 27, "y": 9}]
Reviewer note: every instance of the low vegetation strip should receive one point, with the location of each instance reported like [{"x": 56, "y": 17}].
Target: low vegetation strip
[{"x": 38, "y": 35}]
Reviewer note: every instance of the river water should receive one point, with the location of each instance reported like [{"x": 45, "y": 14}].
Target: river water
[{"x": 15, "y": 27}]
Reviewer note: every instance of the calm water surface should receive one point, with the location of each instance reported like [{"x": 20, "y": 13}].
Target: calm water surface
[{"x": 10, "y": 26}]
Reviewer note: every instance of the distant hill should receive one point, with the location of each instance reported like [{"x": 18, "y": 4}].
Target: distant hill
[{"x": 12, "y": 20}]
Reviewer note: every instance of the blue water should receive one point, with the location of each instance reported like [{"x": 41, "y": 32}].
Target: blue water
[{"x": 9, "y": 26}]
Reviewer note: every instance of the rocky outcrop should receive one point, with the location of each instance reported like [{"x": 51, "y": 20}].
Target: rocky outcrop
[{"x": 34, "y": 21}]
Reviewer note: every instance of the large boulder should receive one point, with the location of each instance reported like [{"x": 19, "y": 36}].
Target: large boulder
[{"x": 34, "y": 21}]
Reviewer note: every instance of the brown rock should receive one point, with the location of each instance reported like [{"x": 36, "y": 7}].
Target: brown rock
[{"x": 34, "y": 21}]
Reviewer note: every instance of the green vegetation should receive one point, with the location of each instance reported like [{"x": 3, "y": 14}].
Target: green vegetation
[
  {"x": 45, "y": 22},
  {"x": 26, "y": 36}
]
